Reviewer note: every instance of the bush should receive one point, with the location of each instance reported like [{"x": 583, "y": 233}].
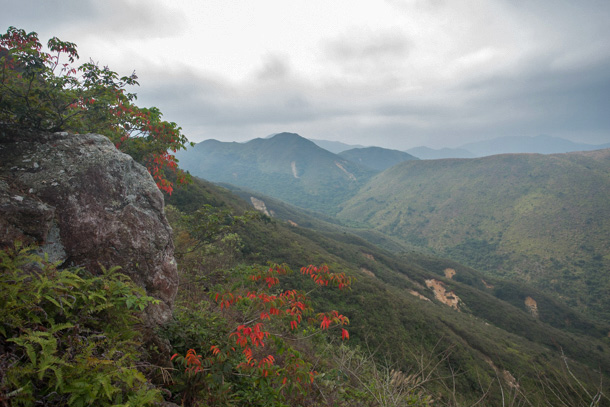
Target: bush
[{"x": 69, "y": 338}]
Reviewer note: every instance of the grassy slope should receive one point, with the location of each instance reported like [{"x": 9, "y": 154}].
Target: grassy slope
[
  {"x": 387, "y": 318},
  {"x": 541, "y": 219}
]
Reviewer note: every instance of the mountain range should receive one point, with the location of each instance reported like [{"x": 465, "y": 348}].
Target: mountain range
[
  {"x": 376, "y": 158},
  {"x": 502, "y": 258},
  {"x": 541, "y": 144},
  {"x": 427, "y": 153},
  {"x": 540, "y": 219},
  {"x": 286, "y": 166}
]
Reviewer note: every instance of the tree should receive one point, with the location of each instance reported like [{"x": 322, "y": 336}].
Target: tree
[{"x": 45, "y": 91}]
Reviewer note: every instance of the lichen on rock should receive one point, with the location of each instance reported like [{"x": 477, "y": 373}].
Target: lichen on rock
[{"x": 87, "y": 204}]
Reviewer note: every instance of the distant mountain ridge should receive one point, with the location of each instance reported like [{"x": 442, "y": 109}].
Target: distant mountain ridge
[
  {"x": 538, "y": 218},
  {"x": 335, "y": 146},
  {"x": 541, "y": 144},
  {"x": 426, "y": 153},
  {"x": 377, "y": 158}
]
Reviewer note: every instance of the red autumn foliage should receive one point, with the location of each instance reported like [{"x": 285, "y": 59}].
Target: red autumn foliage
[{"x": 288, "y": 305}]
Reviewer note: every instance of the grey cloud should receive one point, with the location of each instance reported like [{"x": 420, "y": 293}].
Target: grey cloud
[
  {"x": 144, "y": 19},
  {"x": 553, "y": 96},
  {"x": 366, "y": 57},
  {"x": 570, "y": 104},
  {"x": 33, "y": 15},
  {"x": 111, "y": 18},
  {"x": 197, "y": 102},
  {"x": 422, "y": 4},
  {"x": 274, "y": 67},
  {"x": 561, "y": 90},
  {"x": 365, "y": 45}
]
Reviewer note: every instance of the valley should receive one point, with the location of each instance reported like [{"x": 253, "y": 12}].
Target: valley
[
  {"x": 503, "y": 259},
  {"x": 439, "y": 311},
  {"x": 535, "y": 219},
  {"x": 538, "y": 219}
]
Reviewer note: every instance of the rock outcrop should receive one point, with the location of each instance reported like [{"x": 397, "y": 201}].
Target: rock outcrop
[
  {"x": 532, "y": 306},
  {"x": 260, "y": 206},
  {"x": 87, "y": 204},
  {"x": 443, "y": 295}
]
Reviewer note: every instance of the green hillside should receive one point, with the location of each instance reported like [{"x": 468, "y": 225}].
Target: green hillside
[
  {"x": 286, "y": 166},
  {"x": 376, "y": 158},
  {"x": 469, "y": 353},
  {"x": 540, "y": 219}
]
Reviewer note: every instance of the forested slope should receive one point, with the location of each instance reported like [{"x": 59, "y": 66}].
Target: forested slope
[{"x": 542, "y": 219}]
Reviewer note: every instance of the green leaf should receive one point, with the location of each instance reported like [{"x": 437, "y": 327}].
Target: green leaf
[{"x": 109, "y": 389}]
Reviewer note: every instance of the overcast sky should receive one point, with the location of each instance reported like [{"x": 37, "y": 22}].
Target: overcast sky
[{"x": 394, "y": 73}]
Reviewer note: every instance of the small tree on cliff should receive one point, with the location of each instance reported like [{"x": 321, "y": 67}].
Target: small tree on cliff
[{"x": 46, "y": 91}]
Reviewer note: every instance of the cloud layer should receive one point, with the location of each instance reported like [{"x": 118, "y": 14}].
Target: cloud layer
[{"x": 398, "y": 74}]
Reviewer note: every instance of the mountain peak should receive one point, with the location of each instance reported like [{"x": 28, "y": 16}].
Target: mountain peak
[
  {"x": 290, "y": 137},
  {"x": 286, "y": 135},
  {"x": 285, "y": 165}
]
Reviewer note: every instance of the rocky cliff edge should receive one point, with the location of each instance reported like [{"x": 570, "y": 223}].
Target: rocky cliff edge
[{"x": 89, "y": 205}]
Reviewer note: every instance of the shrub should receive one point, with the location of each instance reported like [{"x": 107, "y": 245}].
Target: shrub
[{"x": 69, "y": 338}]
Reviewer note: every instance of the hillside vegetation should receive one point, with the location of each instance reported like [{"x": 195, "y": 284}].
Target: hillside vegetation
[
  {"x": 391, "y": 303},
  {"x": 542, "y": 219}
]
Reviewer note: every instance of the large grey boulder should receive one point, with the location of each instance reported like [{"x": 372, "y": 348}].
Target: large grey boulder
[{"x": 87, "y": 204}]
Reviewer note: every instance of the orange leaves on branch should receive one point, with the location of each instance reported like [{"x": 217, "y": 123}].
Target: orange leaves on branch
[
  {"x": 246, "y": 336},
  {"x": 325, "y": 324},
  {"x": 144, "y": 133},
  {"x": 344, "y": 334},
  {"x": 192, "y": 361},
  {"x": 269, "y": 276},
  {"x": 323, "y": 277},
  {"x": 290, "y": 303},
  {"x": 226, "y": 300},
  {"x": 333, "y": 318}
]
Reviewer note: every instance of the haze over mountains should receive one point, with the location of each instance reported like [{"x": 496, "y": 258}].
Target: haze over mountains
[
  {"x": 521, "y": 144},
  {"x": 541, "y": 144},
  {"x": 376, "y": 158}
]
